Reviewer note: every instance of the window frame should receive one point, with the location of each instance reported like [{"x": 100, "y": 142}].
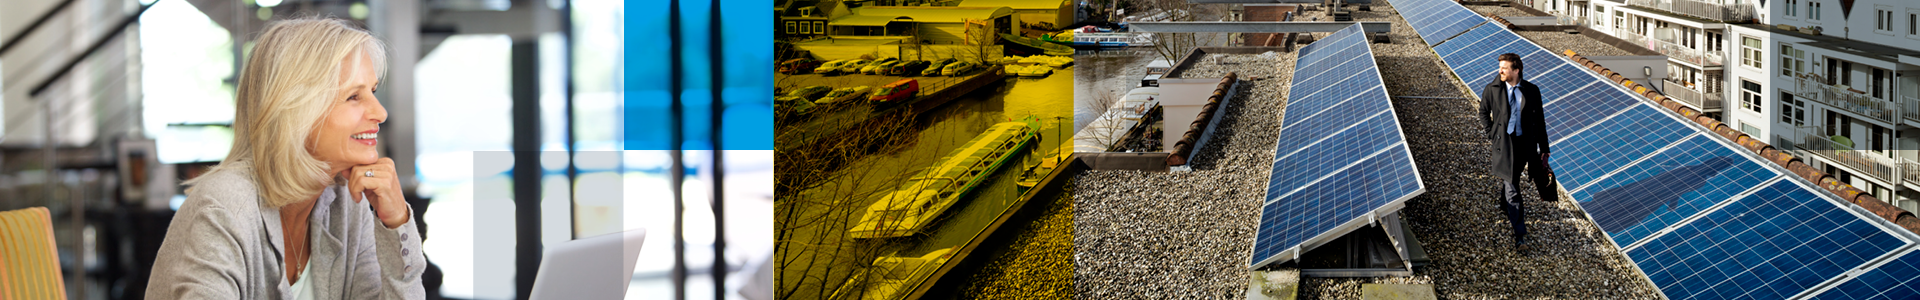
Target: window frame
[
  {"x": 1813, "y": 10},
  {"x": 1792, "y": 111},
  {"x": 1750, "y": 98},
  {"x": 1882, "y": 20},
  {"x": 1750, "y": 56},
  {"x": 1792, "y": 60}
]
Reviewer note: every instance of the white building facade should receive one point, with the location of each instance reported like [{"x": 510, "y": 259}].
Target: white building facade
[
  {"x": 1715, "y": 64},
  {"x": 1848, "y": 91}
]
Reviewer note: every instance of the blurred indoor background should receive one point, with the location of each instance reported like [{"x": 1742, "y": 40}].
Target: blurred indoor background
[{"x": 109, "y": 104}]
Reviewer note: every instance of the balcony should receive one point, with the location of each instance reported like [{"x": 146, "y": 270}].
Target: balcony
[
  {"x": 1728, "y": 13},
  {"x": 1910, "y": 108},
  {"x": 1910, "y": 171},
  {"x": 1706, "y": 102},
  {"x": 1674, "y": 51},
  {"x": 1845, "y": 98},
  {"x": 1810, "y": 142}
]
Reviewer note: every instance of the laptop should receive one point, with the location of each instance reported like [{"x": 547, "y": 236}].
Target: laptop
[{"x": 598, "y": 267}]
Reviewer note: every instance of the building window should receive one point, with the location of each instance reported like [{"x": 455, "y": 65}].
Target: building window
[
  {"x": 1790, "y": 6},
  {"x": 1813, "y": 10},
  {"x": 789, "y": 27},
  {"x": 1619, "y": 19},
  {"x": 1792, "y": 61},
  {"x": 1750, "y": 52},
  {"x": 1913, "y": 24},
  {"x": 1882, "y": 20},
  {"x": 1877, "y": 82},
  {"x": 1714, "y": 40},
  {"x": 1750, "y": 95},
  {"x": 1791, "y": 110},
  {"x": 1749, "y": 129}
]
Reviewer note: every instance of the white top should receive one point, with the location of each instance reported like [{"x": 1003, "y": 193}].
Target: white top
[{"x": 303, "y": 289}]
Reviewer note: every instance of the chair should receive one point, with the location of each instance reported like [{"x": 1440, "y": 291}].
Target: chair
[{"x": 29, "y": 265}]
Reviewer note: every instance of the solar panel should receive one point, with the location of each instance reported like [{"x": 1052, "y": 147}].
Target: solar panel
[
  {"x": 1351, "y": 145},
  {"x": 1478, "y": 33},
  {"x": 1584, "y": 107},
  {"x": 1667, "y": 187},
  {"x": 1776, "y": 243},
  {"x": 1446, "y": 31},
  {"x": 1701, "y": 217},
  {"x": 1582, "y": 157},
  {"x": 1896, "y": 279},
  {"x": 1323, "y": 152},
  {"x": 1376, "y": 185}
]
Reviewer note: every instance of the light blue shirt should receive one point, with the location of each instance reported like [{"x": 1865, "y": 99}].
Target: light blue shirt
[{"x": 1514, "y": 103}]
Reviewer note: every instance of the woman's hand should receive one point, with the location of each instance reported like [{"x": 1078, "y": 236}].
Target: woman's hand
[{"x": 382, "y": 189}]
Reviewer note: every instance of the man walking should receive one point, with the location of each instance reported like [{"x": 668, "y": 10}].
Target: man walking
[{"x": 1510, "y": 110}]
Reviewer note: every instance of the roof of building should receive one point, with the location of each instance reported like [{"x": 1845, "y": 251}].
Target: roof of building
[
  {"x": 880, "y": 15},
  {"x": 1015, "y": 4},
  {"x": 1855, "y": 47}
]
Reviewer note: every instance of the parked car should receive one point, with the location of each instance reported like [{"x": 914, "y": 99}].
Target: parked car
[
  {"x": 878, "y": 68},
  {"x": 854, "y": 65},
  {"x": 810, "y": 93},
  {"x": 957, "y": 68},
  {"x": 832, "y": 66},
  {"x": 797, "y": 66},
  {"x": 896, "y": 92},
  {"x": 934, "y": 68},
  {"x": 845, "y": 95},
  {"x": 788, "y": 105},
  {"x": 909, "y": 68},
  {"x": 878, "y": 65}
]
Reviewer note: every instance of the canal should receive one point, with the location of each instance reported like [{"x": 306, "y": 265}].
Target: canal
[{"x": 817, "y": 257}]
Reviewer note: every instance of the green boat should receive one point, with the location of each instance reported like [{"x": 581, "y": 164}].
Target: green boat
[{"x": 908, "y": 210}]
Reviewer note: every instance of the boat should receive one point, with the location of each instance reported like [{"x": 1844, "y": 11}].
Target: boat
[
  {"x": 1043, "y": 46},
  {"x": 1039, "y": 171},
  {"x": 1059, "y": 61},
  {"x": 1036, "y": 59},
  {"x": 1111, "y": 39},
  {"x": 924, "y": 197},
  {"x": 1031, "y": 71},
  {"x": 892, "y": 277}
]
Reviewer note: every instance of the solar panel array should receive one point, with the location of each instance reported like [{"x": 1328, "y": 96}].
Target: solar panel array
[
  {"x": 1702, "y": 217},
  {"x": 1442, "y": 20},
  {"x": 1332, "y": 174}
]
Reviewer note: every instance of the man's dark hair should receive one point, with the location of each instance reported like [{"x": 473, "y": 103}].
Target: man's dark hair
[{"x": 1515, "y": 59}]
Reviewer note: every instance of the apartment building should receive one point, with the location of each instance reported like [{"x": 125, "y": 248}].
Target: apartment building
[{"x": 1847, "y": 91}]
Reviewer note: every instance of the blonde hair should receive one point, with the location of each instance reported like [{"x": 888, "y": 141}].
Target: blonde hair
[{"x": 286, "y": 87}]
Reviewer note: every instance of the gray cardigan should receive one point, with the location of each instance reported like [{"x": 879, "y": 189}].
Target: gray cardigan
[{"x": 225, "y": 243}]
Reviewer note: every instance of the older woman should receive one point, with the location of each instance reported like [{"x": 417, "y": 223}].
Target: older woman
[{"x": 275, "y": 220}]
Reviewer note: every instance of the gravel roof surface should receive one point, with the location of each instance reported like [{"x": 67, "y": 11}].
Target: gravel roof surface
[{"x": 1189, "y": 234}]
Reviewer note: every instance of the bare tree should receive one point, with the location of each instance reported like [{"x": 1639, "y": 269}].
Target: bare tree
[
  {"x": 1172, "y": 45},
  {"x": 814, "y": 208}
]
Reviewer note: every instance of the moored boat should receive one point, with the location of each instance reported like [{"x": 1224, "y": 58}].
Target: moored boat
[{"x": 924, "y": 197}]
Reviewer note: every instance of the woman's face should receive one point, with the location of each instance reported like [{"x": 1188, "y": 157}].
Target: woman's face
[{"x": 346, "y": 134}]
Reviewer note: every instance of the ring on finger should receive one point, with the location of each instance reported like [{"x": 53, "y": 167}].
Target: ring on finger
[{"x": 369, "y": 173}]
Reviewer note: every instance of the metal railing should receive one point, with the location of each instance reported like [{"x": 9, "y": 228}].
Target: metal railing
[
  {"x": 1730, "y": 13},
  {"x": 1910, "y": 108},
  {"x": 1910, "y": 171},
  {"x": 1672, "y": 50},
  {"x": 1704, "y": 101},
  {"x": 1809, "y": 140},
  {"x": 1844, "y": 98}
]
